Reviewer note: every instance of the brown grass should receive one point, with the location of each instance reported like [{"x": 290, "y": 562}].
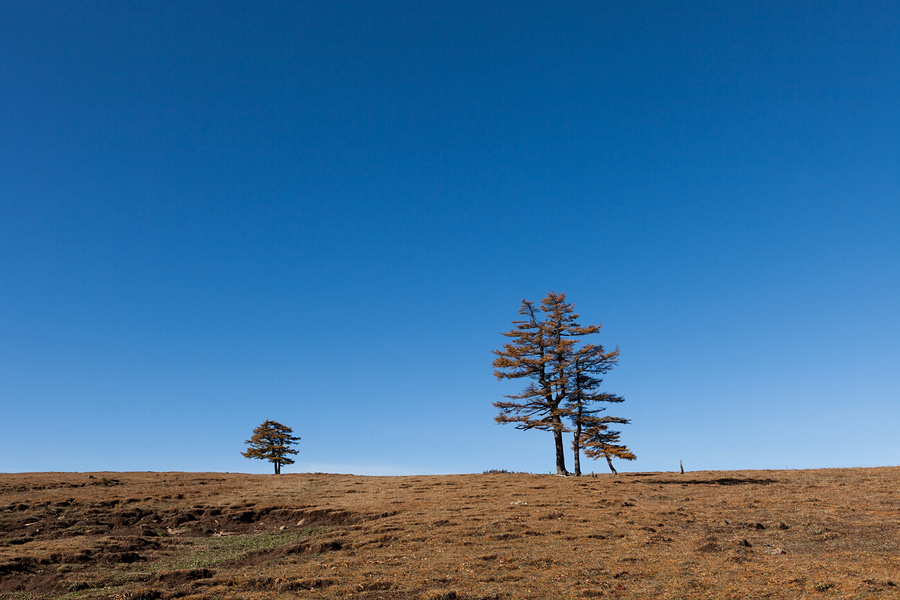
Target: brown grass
[{"x": 740, "y": 534}]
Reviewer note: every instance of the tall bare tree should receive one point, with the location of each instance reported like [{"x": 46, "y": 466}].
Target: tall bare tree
[
  {"x": 541, "y": 349},
  {"x": 272, "y": 441}
]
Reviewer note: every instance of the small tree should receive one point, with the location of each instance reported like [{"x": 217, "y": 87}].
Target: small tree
[
  {"x": 272, "y": 441},
  {"x": 599, "y": 441}
]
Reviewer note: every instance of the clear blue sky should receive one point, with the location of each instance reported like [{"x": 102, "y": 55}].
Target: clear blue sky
[{"x": 325, "y": 213}]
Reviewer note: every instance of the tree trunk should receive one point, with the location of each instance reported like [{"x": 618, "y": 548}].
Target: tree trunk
[
  {"x": 560, "y": 454},
  {"x": 611, "y": 468},
  {"x": 560, "y": 448},
  {"x": 576, "y": 445}
]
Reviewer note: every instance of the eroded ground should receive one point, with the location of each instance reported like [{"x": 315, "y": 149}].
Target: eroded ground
[{"x": 747, "y": 534}]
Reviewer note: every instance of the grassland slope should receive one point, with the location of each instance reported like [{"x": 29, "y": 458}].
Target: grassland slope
[{"x": 740, "y": 534}]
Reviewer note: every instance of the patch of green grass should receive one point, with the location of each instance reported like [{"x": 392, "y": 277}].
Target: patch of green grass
[{"x": 206, "y": 552}]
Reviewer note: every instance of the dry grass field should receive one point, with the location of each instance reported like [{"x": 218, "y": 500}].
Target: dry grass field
[{"x": 740, "y": 534}]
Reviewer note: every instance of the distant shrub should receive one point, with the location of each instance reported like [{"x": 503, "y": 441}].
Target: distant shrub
[{"x": 504, "y": 472}]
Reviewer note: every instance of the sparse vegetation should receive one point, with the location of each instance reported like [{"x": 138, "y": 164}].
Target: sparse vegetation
[
  {"x": 743, "y": 534},
  {"x": 212, "y": 551}
]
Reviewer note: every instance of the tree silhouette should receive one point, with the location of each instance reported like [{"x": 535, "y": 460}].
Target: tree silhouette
[{"x": 272, "y": 441}]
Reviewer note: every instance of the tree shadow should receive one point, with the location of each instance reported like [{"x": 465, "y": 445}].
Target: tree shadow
[{"x": 719, "y": 481}]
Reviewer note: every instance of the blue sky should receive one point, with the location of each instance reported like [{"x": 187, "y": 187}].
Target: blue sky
[{"x": 325, "y": 213}]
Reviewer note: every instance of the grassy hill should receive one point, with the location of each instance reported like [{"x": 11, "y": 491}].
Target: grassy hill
[{"x": 738, "y": 534}]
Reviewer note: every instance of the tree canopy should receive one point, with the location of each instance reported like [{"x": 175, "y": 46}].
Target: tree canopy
[{"x": 272, "y": 441}]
